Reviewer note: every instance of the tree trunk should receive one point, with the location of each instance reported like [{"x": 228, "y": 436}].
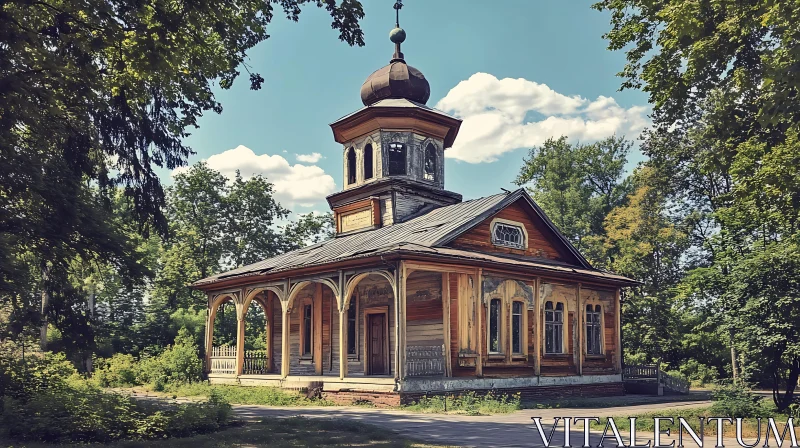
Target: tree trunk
[
  {"x": 87, "y": 357},
  {"x": 45, "y": 305}
]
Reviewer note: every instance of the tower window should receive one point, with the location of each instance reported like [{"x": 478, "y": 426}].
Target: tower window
[
  {"x": 430, "y": 162},
  {"x": 351, "y": 166},
  {"x": 368, "y": 162},
  {"x": 397, "y": 159}
]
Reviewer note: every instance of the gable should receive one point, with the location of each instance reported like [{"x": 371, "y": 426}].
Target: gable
[{"x": 542, "y": 240}]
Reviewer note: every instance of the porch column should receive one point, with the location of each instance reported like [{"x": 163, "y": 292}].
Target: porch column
[
  {"x": 538, "y": 332},
  {"x": 285, "y": 359},
  {"x": 239, "y": 345},
  {"x": 342, "y": 344},
  {"x": 209, "y": 340},
  {"x": 317, "y": 330},
  {"x": 400, "y": 323}
]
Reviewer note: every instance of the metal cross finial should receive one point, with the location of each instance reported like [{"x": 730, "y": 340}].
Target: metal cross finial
[{"x": 397, "y": 6}]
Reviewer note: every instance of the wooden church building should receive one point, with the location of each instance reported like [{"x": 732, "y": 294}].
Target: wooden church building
[{"x": 421, "y": 292}]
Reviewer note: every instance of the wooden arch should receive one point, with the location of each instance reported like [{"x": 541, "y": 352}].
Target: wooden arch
[{"x": 356, "y": 279}]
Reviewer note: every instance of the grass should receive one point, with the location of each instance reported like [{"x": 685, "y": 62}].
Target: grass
[
  {"x": 468, "y": 404},
  {"x": 261, "y": 395},
  {"x": 277, "y": 433}
]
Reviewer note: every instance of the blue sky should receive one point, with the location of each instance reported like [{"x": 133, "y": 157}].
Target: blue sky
[{"x": 516, "y": 71}]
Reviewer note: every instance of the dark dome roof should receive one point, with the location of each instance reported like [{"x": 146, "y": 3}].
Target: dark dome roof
[{"x": 396, "y": 80}]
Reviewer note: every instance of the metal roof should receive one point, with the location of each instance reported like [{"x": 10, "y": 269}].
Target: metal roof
[{"x": 431, "y": 230}]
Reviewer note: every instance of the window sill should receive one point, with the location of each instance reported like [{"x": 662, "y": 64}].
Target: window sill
[
  {"x": 496, "y": 357},
  {"x": 595, "y": 357},
  {"x": 556, "y": 355},
  {"x": 306, "y": 361}
]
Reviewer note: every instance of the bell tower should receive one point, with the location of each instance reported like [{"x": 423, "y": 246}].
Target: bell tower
[{"x": 393, "y": 149}]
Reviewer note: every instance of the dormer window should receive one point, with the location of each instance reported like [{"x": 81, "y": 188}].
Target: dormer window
[
  {"x": 430, "y": 162},
  {"x": 368, "y": 162},
  {"x": 351, "y": 166},
  {"x": 397, "y": 159},
  {"x": 509, "y": 234}
]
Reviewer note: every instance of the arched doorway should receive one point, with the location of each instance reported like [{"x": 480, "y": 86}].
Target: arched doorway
[
  {"x": 369, "y": 305},
  {"x": 258, "y": 321},
  {"x": 222, "y": 336}
]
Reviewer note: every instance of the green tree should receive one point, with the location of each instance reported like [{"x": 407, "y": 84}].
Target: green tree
[
  {"x": 577, "y": 185},
  {"x": 648, "y": 246},
  {"x": 101, "y": 93},
  {"x": 720, "y": 76}
]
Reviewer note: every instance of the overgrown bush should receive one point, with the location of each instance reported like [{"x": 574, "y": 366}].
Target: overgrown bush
[
  {"x": 468, "y": 403},
  {"x": 178, "y": 364},
  {"x": 43, "y": 398},
  {"x": 734, "y": 400},
  {"x": 118, "y": 371},
  {"x": 699, "y": 374}
]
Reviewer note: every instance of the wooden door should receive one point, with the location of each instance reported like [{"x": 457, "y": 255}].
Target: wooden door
[{"x": 376, "y": 344}]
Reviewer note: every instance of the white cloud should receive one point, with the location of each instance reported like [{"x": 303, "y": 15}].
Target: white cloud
[
  {"x": 500, "y": 115},
  {"x": 297, "y": 184},
  {"x": 314, "y": 157}
]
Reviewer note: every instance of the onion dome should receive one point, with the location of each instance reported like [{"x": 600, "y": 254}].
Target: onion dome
[{"x": 396, "y": 80}]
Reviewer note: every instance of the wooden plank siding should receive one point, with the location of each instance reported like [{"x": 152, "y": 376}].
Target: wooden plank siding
[{"x": 539, "y": 244}]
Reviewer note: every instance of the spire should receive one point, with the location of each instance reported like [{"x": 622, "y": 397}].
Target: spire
[{"x": 397, "y": 35}]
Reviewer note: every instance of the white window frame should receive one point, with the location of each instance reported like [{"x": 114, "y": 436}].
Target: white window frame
[
  {"x": 508, "y": 223},
  {"x": 500, "y": 326}
]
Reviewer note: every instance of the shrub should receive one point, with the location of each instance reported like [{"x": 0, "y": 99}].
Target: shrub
[
  {"x": 699, "y": 374},
  {"x": 45, "y": 399},
  {"x": 468, "y": 403},
  {"x": 178, "y": 364},
  {"x": 734, "y": 400},
  {"x": 118, "y": 371}
]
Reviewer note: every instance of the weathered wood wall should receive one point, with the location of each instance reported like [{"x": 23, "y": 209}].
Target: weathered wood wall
[
  {"x": 424, "y": 324},
  {"x": 540, "y": 241},
  {"x": 373, "y": 292}
]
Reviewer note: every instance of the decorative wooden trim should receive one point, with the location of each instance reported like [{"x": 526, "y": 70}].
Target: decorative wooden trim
[
  {"x": 448, "y": 371},
  {"x": 435, "y": 267},
  {"x": 376, "y": 211},
  {"x": 368, "y": 312}
]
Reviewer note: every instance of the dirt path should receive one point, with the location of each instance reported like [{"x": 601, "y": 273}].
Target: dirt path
[{"x": 509, "y": 430}]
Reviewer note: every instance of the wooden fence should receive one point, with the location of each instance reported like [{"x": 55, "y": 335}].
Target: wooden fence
[{"x": 223, "y": 360}]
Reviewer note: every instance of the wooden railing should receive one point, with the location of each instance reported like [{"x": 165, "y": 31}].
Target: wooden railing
[
  {"x": 653, "y": 372},
  {"x": 256, "y": 362},
  {"x": 223, "y": 360},
  {"x": 640, "y": 372}
]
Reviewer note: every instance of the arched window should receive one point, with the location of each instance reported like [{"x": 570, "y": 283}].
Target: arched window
[
  {"x": 593, "y": 329},
  {"x": 351, "y": 166},
  {"x": 553, "y": 328},
  {"x": 430, "y": 162},
  {"x": 397, "y": 159},
  {"x": 368, "y": 162},
  {"x": 508, "y": 234}
]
